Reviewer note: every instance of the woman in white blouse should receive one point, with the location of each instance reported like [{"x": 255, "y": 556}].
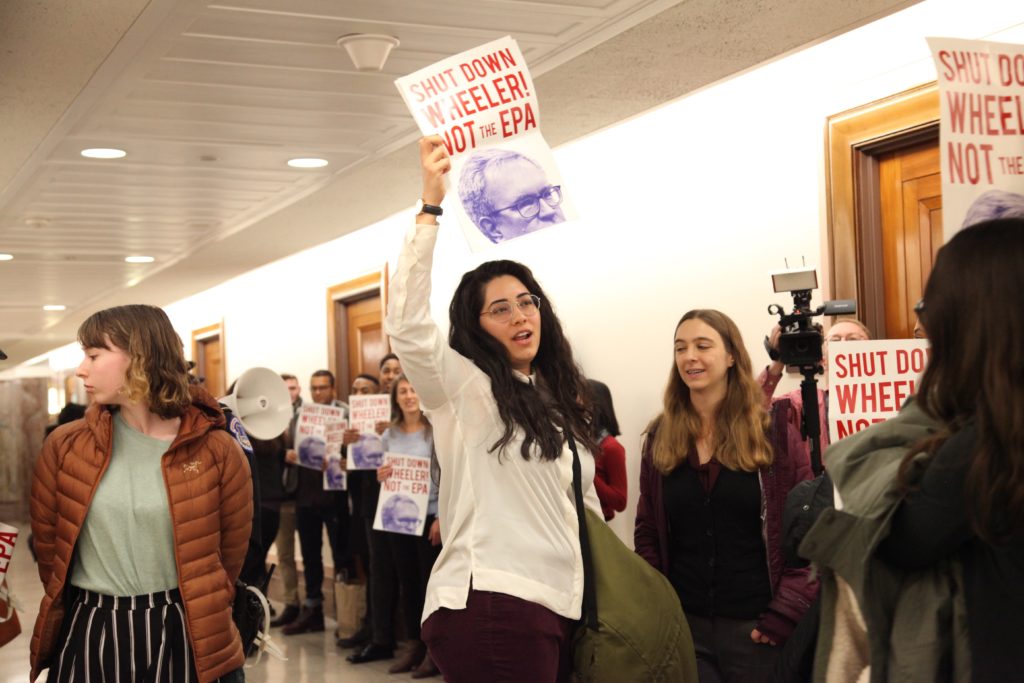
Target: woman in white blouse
[{"x": 501, "y": 393}]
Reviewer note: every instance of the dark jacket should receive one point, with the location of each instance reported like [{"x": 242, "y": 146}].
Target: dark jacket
[
  {"x": 916, "y": 624},
  {"x": 792, "y": 589},
  {"x": 209, "y": 491}
]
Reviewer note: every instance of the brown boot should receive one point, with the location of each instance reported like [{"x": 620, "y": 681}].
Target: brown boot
[
  {"x": 426, "y": 669},
  {"x": 310, "y": 619},
  {"x": 290, "y": 614},
  {"x": 413, "y": 656}
]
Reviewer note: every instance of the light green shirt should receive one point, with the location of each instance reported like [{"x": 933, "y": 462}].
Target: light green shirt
[{"x": 126, "y": 546}]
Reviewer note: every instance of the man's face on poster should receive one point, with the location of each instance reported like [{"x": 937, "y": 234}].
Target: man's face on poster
[{"x": 523, "y": 198}]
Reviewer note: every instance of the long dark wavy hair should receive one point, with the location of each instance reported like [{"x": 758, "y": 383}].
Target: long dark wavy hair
[
  {"x": 542, "y": 415},
  {"x": 972, "y": 312}
]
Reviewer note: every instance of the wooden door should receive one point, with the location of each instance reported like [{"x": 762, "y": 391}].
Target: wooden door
[
  {"x": 355, "y": 335},
  {"x": 208, "y": 354},
  {"x": 211, "y": 365},
  {"x": 885, "y": 206},
  {"x": 910, "y": 190},
  {"x": 365, "y": 337}
]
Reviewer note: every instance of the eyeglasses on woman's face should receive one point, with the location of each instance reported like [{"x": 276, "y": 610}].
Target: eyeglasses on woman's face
[{"x": 501, "y": 311}]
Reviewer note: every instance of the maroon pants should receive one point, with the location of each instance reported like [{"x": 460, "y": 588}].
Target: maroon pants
[{"x": 499, "y": 639}]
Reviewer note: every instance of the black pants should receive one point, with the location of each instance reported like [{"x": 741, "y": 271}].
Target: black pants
[
  {"x": 399, "y": 565},
  {"x": 726, "y": 654},
  {"x": 310, "y": 522},
  {"x": 126, "y": 639}
]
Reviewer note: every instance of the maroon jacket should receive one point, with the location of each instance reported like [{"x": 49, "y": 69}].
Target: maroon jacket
[{"x": 792, "y": 589}]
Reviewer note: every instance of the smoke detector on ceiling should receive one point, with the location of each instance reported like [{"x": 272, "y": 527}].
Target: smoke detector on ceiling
[{"x": 368, "y": 51}]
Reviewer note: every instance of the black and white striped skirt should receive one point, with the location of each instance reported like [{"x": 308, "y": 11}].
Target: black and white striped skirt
[{"x": 124, "y": 639}]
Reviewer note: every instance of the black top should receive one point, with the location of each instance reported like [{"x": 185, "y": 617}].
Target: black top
[
  {"x": 717, "y": 560},
  {"x": 932, "y": 524},
  {"x": 269, "y": 458}
]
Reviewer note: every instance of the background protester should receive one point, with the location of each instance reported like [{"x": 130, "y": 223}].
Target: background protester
[
  {"x": 141, "y": 514},
  {"x": 507, "y": 586},
  {"x": 318, "y": 511},
  {"x": 410, "y": 557},
  {"x": 284, "y": 542},
  {"x": 610, "y": 462},
  {"x": 713, "y": 461},
  {"x": 362, "y": 492},
  {"x": 269, "y": 456}
]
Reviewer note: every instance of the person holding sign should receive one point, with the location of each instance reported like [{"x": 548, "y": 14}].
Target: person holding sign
[
  {"x": 409, "y": 557},
  {"x": 714, "y": 476},
  {"x": 141, "y": 513},
  {"x": 501, "y": 394},
  {"x": 948, "y": 472}
]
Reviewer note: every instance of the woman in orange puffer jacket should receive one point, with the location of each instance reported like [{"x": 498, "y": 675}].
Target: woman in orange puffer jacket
[{"x": 141, "y": 513}]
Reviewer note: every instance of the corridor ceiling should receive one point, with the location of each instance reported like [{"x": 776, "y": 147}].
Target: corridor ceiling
[{"x": 210, "y": 100}]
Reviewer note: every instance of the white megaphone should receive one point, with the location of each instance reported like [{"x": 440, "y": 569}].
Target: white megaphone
[{"x": 261, "y": 402}]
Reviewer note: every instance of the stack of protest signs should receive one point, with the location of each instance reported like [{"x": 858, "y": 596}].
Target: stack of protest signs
[{"x": 318, "y": 440}]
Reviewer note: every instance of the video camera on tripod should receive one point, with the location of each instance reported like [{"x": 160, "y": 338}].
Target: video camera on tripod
[{"x": 800, "y": 343}]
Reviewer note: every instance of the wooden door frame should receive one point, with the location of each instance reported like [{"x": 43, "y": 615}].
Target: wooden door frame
[
  {"x": 345, "y": 292},
  {"x": 204, "y": 333},
  {"x": 854, "y": 139}
]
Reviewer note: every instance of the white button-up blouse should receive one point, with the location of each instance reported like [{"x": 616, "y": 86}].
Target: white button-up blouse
[{"x": 508, "y": 525}]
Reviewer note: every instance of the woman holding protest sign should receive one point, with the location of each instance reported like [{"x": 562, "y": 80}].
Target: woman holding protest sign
[
  {"x": 501, "y": 395},
  {"x": 141, "y": 513},
  {"x": 411, "y": 557},
  {"x": 715, "y": 473}
]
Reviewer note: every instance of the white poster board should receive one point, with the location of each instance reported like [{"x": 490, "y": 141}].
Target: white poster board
[
  {"x": 311, "y": 433},
  {"x": 402, "y": 506},
  {"x": 869, "y": 381},
  {"x": 981, "y": 130},
  {"x": 8, "y": 537},
  {"x": 365, "y": 411},
  {"x": 483, "y": 105}
]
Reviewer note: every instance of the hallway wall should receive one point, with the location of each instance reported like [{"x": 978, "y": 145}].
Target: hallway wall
[{"x": 689, "y": 205}]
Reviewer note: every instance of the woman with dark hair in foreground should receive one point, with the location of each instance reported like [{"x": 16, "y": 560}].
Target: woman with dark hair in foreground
[
  {"x": 502, "y": 394},
  {"x": 923, "y": 566}
]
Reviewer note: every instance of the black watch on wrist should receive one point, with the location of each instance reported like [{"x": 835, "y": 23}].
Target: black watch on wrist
[{"x": 423, "y": 207}]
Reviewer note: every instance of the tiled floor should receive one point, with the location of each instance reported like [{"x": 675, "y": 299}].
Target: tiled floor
[{"x": 311, "y": 656}]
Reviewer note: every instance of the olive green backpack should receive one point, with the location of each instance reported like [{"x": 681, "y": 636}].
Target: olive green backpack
[{"x": 633, "y": 628}]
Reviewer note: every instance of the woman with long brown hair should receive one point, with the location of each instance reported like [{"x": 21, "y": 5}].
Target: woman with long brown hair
[
  {"x": 141, "y": 513},
  {"x": 714, "y": 477}
]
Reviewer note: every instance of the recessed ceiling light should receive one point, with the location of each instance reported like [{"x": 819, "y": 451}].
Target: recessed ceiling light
[
  {"x": 139, "y": 259},
  {"x": 6, "y": 257},
  {"x": 54, "y": 307},
  {"x": 103, "y": 153},
  {"x": 311, "y": 162}
]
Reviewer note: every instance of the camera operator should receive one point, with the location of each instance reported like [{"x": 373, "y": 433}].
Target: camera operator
[{"x": 843, "y": 329}]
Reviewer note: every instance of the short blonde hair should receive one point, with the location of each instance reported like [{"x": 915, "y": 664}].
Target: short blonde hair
[{"x": 158, "y": 372}]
